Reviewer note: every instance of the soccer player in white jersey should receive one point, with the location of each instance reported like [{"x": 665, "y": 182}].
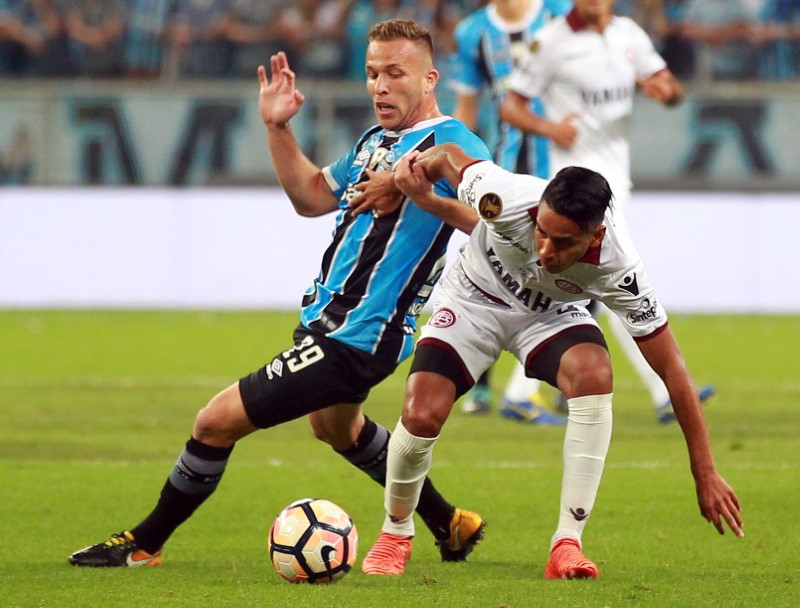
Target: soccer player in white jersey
[
  {"x": 489, "y": 43},
  {"x": 540, "y": 251},
  {"x": 586, "y": 68}
]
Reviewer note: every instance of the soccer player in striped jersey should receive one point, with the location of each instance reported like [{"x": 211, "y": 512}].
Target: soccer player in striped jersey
[{"x": 359, "y": 315}]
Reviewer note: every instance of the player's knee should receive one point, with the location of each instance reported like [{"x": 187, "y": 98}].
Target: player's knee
[
  {"x": 597, "y": 380},
  {"x": 425, "y": 412},
  {"x": 585, "y": 371},
  {"x": 318, "y": 430},
  {"x": 428, "y": 401},
  {"x": 222, "y": 421}
]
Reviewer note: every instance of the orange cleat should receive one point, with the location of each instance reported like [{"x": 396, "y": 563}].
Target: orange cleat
[
  {"x": 567, "y": 561},
  {"x": 388, "y": 555}
]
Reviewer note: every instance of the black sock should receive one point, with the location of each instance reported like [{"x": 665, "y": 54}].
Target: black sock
[
  {"x": 194, "y": 478},
  {"x": 369, "y": 455}
]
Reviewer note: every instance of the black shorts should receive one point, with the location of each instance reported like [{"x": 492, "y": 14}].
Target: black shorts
[{"x": 315, "y": 373}]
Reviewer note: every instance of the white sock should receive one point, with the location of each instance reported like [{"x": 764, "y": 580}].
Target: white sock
[
  {"x": 655, "y": 385},
  {"x": 407, "y": 464},
  {"x": 586, "y": 442},
  {"x": 520, "y": 387}
]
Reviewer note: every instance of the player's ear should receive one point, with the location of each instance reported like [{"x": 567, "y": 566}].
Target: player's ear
[
  {"x": 431, "y": 78},
  {"x": 597, "y": 237}
]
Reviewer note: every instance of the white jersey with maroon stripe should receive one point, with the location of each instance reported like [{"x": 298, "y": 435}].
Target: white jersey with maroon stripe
[
  {"x": 577, "y": 70},
  {"x": 500, "y": 258}
]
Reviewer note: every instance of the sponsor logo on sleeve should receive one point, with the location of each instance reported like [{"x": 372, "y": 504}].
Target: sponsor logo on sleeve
[
  {"x": 490, "y": 206},
  {"x": 648, "y": 309},
  {"x": 630, "y": 284},
  {"x": 469, "y": 189}
]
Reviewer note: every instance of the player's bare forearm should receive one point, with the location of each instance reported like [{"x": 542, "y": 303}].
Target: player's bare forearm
[
  {"x": 515, "y": 111},
  {"x": 717, "y": 501},
  {"x": 417, "y": 172},
  {"x": 450, "y": 210},
  {"x": 445, "y": 161},
  {"x": 300, "y": 178}
]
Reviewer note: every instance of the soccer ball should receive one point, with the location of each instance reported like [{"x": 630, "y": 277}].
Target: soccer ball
[{"x": 314, "y": 541}]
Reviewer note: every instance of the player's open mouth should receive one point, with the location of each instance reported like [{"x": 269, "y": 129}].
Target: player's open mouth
[{"x": 384, "y": 108}]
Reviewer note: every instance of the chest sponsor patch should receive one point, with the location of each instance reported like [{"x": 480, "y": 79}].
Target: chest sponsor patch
[{"x": 490, "y": 206}]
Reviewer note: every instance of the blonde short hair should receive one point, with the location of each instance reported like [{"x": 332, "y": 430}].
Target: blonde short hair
[{"x": 401, "y": 28}]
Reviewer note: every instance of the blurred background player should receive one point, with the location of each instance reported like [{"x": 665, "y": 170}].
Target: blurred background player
[
  {"x": 586, "y": 67},
  {"x": 489, "y": 43}
]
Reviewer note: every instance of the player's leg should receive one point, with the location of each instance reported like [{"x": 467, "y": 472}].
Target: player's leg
[
  {"x": 193, "y": 479},
  {"x": 523, "y": 402},
  {"x": 573, "y": 357},
  {"x": 479, "y": 399},
  {"x": 364, "y": 444},
  {"x": 446, "y": 361},
  {"x": 409, "y": 460},
  {"x": 308, "y": 377}
]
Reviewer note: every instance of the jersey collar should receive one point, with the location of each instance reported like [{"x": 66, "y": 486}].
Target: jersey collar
[{"x": 575, "y": 22}]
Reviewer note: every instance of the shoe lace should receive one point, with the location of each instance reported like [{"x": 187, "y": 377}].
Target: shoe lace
[
  {"x": 118, "y": 539},
  {"x": 569, "y": 556},
  {"x": 389, "y": 548}
]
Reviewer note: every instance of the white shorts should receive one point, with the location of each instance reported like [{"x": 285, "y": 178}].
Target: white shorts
[{"x": 477, "y": 329}]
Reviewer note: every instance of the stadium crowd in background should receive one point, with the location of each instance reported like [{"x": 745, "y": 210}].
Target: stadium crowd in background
[{"x": 701, "y": 39}]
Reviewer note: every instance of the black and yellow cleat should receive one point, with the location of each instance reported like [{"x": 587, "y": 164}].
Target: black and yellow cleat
[
  {"x": 119, "y": 551},
  {"x": 466, "y": 531}
]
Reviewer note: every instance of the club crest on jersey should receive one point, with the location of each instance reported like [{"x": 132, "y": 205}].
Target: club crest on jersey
[
  {"x": 568, "y": 286},
  {"x": 381, "y": 159},
  {"x": 490, "y": 206},
  {"x": 534, "y": 46},
  {"x": 443, "y": 317}
]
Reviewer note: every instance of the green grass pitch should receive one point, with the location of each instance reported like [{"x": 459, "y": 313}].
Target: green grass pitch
[{"x": 95, "y": 406}]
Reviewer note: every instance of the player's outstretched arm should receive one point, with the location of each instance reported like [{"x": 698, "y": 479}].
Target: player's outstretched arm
[
  {"x": 279, "y": 101},
  {"x": 417, "y": 172},
  {"x": 717, "y": 500}
]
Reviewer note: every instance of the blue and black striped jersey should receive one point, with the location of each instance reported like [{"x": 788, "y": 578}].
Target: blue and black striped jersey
[
  {"x": 488, "y": 48},
  {"x": 378, "y": 273}
]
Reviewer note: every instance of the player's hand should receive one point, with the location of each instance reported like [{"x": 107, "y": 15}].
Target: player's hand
[
  {"x": 278, "y": 100},
  {"x": 655, "y": 88},
  {"x": 662, "y": 87},
  {"x": 410, "y": 175},
  {"x": 718, "y": 504},
  {"x": 378, "y": 194},
  {"x": 563, "y": 133}
]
